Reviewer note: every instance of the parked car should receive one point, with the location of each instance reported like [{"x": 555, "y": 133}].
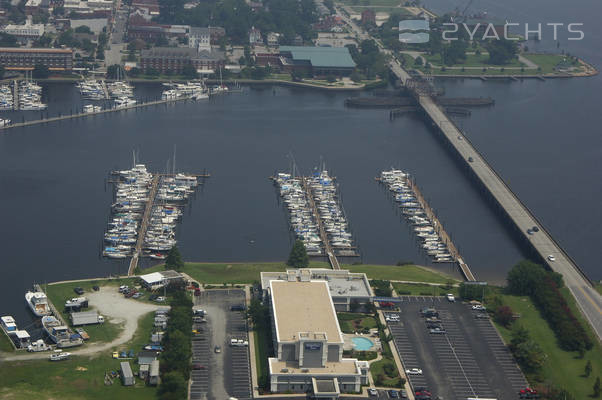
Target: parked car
[
  {"x": 123, "y": 288},
  {"x": 238, "y": 307},
  {"x": 198, "y": 366},
  {"x": 403, "y": 394},
  {"x": 197, "y": 292},
  {"x": 138, "y": 295},
  {"x": 115, "y": 354},
  {"x": 437, "y": 331},
  {"x": 393, "y": 394},
  {"x": 414, "y": 371},
  {"x": 78, "y": 290},
  {"x": 479, "y": 307},
  {"x": 217, "y": 349},
  {"x": 451, "y": 298},
  {"x": 95, "y": 288},
  {"x": 372, "y": 392},
  {"x": 481, "y": 316},
  {"x": 160, "y": 299},
  {"x": 153, "y": 297}
]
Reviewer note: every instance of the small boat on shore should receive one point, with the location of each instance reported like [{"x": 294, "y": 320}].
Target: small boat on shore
[{"x": 38, "y": 303}]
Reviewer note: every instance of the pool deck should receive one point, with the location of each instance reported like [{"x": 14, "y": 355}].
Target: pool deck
[{"x": 348, "y": 341}]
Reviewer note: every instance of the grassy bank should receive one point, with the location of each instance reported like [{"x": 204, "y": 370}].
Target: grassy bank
[
  {"x": 562, "y": 368},
  {"x": 241, "y": 273},
  {"x": 61, "y": 292},
  {"x": 412, "y": 273},
  {"x": 413, "y": 289},
  {"x": 5, "y": 345},
  {"x": 77, "y": 378}
]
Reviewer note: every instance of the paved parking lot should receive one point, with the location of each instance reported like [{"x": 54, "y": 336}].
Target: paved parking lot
[
  {"x": 469, "y": 360},
  {"x": 227, "y": 374}
]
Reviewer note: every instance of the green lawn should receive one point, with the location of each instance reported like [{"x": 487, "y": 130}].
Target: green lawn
[
  {"x": 387, "y": 3},
  {"x": 598, "y": 287},
  {"x": 231, "y": 273},
  {"x": 353, "y": 322},
  {"x": 411, "y": 289},
  {"x": 472, "y": 60},
  {"x": 378, "y": 368},
  {"x": 77, "y": 378},
  {"x": 5, "y": 345},
  {"x": 547, "y": 62},
  {"x": 59, "y": 293},
  {"x": 412, "y": 273},
  {"x": 562, "y": 368}
]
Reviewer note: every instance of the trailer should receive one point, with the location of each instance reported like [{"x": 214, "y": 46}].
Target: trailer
[
  {"x": 86, "y": 318},
  {"x": 127, "y": 377}
]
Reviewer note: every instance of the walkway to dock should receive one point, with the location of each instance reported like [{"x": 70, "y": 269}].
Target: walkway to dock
[
  {"x": 103, "y": 83},
  {"x": 332, "y": 259},
  {"x": 82, "y": 115},
  {"x": 15, "y": 95},
  {"x": 445, "y": 238},
  {"x": 144, "y": 224}
]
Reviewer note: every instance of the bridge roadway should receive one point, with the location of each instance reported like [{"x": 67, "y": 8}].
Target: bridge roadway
[{"x": 588, "y": 299}]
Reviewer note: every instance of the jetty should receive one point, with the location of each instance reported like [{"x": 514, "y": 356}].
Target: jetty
[
  {"x": 144, "y": 225},
  {"x": 15, "y": 95},
  {"x": 89, "y": 114},
  {"x": 445, "y": 237},
  {"x": 332, "y": 259}
]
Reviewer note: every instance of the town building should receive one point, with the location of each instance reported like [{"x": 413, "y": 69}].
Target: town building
[
  {"x": 317, "y": 60},
  {"x": 308, "y": 342},
  {"x": 255, "y": 36},
  {"x": 25, "y": 59},
  {"x": 273, "y": 38},
  {"x": 199, "y": 39},
  {"x": 150, "y": 7},
  {"x": 174, "y": 59},
  {"x": 157, "y": 280},
  {"x": 346, "y": 288},
  {"x": 368, "y": 17},
  {"x": 28, "y": 30}
]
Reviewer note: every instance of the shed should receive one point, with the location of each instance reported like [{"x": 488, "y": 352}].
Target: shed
[
  {"x": 157, "y": 280},
  {"x": 143, "y": 373},
  {"x": 153, "y": 374},
  {"x": 84, "y": 318},
  {"x": 127, "y": 377},
  {"x": 22, "y": 338},
  {"x": 146, "y": 357}
]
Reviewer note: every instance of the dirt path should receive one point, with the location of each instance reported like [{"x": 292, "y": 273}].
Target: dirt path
[{"x": 109, "y": 302}]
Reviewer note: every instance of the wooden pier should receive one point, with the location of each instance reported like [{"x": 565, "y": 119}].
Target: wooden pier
[
  {"x": 332, "y": 259},
  {"x": 90, "y": 114},
  {"x": 103, "y": 83},
  {"x": 438, "y": 226},
  {"x": 15, "y": 95},
  {"x": 144, "y": 224}
]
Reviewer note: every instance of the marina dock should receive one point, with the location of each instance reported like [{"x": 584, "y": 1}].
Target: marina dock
[
  {"x": 105, "y": 90},
  {"x": 144, "y": 225},
  {"x": 332, "y": 259},
  {"x": 468, "y": 275},
  {"x": 15, "y": 96},
  {"x": 89, "y": 114}
]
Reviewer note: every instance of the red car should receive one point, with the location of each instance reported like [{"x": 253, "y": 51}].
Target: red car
[
  {"x": 197, "y": 292},
  {"x": 197, "y": 366}
]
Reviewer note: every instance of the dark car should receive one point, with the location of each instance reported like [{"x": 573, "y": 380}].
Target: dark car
[
  {"x": 95, "y": 288},
  {"x": 198, "y": 366},
  {"x": 393, "y": 394},
  {"x": 78, "y": 290},
  {"x": 403, "y": 394},
  {"x": 238, "y": 307},
  {"x": 153, "y": 297}
]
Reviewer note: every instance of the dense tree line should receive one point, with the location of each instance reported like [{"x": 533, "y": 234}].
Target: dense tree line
[
  {"x": 369, "y": 60},
  {"x": 288, "y": 17},
  {"x": 175, "y": 359},
  {"x": 529, "y": 279}
]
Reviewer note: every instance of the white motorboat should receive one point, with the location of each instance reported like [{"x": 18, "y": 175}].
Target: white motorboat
[{"x": 38, "y": 303}]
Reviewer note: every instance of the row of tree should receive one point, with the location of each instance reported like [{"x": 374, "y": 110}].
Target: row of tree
[
  {"x": 287, "y": 17},
  {"x": 175, "y": 359},
  {"x": 530, "y": 279}
]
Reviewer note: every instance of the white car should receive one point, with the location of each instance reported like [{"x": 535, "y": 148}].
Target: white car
[
  {"x": 451, "y": 298},
  {"x": 414, "y": 371},
  {"x": 478, "y": 307},
  {"x": 551, "y": 258},
  {"x": 372, "y": 392},
  {"x": 160, "y": 299}
]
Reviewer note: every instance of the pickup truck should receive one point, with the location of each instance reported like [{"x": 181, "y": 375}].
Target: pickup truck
[{"x": 238, "y": 342}]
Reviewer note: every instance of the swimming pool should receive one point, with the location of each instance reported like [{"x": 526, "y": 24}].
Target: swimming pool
[{"x": 362, "y": 343}]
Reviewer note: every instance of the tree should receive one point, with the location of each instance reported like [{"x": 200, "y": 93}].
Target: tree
[
  {"x": 454, "y": 53},
  {"x": 418, "y": 61},
  {"x": 298, "y": 257},
  {"x": 113, "y": 71},
  {"x": 523, "y": 277},
  {"x": 189, "y": 71},
  {"x": 174, "y": 260},
  {"x": 503, "y": 315},
  {"x": 40, "y": 71},
  {"x": 172, "y": 387},
  {"x": 588, "y": 369},
  {"x": 356, "y": 77},
  {"x": 502, "y": 51},
  {"x": 597, "y": 388},
  {"x": 83, "y": 29},
  {"x": 331, "y": 78},
  {"x": 7, "y": 40}
]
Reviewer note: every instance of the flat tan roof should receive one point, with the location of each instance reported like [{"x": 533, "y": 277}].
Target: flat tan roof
[
  {"x": 347, "y": 366},
  {"x": 303, "y": 307}
]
